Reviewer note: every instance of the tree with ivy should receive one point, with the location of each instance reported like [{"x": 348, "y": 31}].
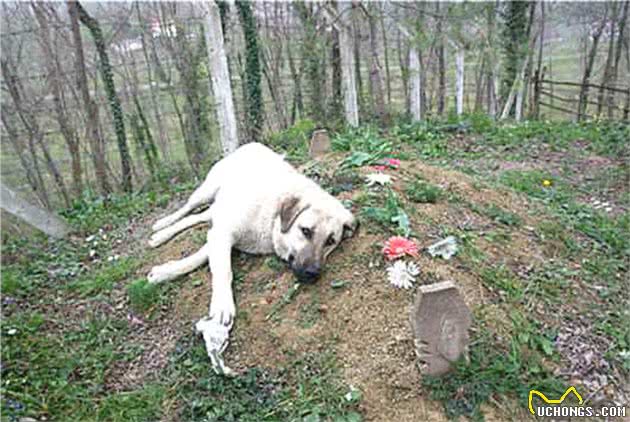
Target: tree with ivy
[
  {"x": 313, "y": 55},
  {"x": 514, "y": 43},
  {"x": 110, "y": 89},
  {"x": 254, "y": 105}
]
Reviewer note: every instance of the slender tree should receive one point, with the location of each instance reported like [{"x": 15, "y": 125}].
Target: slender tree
[
  {"x": 110, "y": 88},
  {"x": 312, "y": 53},
  {"x": 376, "y": 81},
  {"x": 96, "y": 142},
  {"x": 349, "y": 87},
  {"x": 54, "y": 70},
  {"x": 514, "y": 42},
  {"x": 31, "y": 124},
  {"x": 588, "y": 67},
  {"x": 621, "y": 39},
  {"x": 254, "y": 103},
  {"x": 441, "y": 59},
  {"x": 220, "y": 77}
]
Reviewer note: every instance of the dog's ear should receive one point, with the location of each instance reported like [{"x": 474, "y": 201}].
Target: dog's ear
[
  {"x": 350, "y": 228},
  {"x": 290, "y": 209}
]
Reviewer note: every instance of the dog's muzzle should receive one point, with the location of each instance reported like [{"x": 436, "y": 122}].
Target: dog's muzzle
[{"x": 307, "y": 275}]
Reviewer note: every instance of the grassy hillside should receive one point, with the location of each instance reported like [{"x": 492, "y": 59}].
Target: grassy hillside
[{"x": 542, "y": 265}]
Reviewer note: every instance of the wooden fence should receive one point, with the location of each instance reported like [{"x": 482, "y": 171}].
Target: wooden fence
[{"x": 582, "y": 101}]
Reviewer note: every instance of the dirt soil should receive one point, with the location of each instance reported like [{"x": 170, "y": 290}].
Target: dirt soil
[{"x": 366, "y": 322}]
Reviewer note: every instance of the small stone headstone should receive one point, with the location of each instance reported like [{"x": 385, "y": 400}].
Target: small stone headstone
[
  {"x": 320, "y": 143},
  {"x": 440, "y": 321}
]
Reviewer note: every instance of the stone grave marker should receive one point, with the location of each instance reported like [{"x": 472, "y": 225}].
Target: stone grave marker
[
  {"x": 320, "y": 143},
  {"x": 440, "y": 321}
]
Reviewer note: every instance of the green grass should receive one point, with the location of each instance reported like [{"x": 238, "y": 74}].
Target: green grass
[
  {"x": 391, "y": 216},
  {"x": 497, "y": 370},
  {"x": 423, "y": 192},
  {"x": 60, "y": 375},
  {"x": 60, "y": 342},
  {"x": 100, "y": 282},
  {"x": 498, "y": 214},
  {"x": 144, "y": 295},
  {"x": 607, "y": 231},
  {"x": 501, "y": 280},
  {"x": 306, "y": 388}
]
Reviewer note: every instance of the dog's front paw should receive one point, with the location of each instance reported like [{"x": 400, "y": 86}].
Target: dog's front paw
[
  {"x": 216, "y": 338},
  {"x": 157, "y": 239},
  {"x": 162, "y": 223},
  {"x": 159, "y": 273},
  {"x": 222, "y": 309}
]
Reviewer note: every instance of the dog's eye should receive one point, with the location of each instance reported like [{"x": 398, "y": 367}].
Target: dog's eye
[
  {"x": 308, "y": 233},
  {"x": 330, "y": 241}
]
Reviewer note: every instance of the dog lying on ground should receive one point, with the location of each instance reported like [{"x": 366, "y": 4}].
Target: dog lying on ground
[{"x": 259, "y": 204}]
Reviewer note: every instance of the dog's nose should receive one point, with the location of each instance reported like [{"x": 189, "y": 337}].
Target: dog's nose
[
  {"x": 308, "y": 274},
  {"x": 312, "y": 271}
]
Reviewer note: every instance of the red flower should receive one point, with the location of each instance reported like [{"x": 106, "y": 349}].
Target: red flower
[
  {"x": 379, "y": 168},
  {"x": 393, "y": 162},
  {"x": 398, "y": 246}
]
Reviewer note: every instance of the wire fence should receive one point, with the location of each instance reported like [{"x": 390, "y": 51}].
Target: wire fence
[{"x": 283, "y": 54}]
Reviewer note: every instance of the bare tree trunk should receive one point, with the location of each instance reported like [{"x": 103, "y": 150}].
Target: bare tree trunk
[
  {"x": 492, "y": 62},
  {"x": 415, "y": 80},
  {"x": 266, "y": 68},
  {"x": 539, "y": 72},
  {"x": 166, "y": 79},
  {"x": 588, "y": 68},
  {"x": 517, "y": 87},
  {"x": 403, "y": 62},
  {"x": 54, "y": 72},
  {"x": 220, "y": 78},
  {"x": 356, "y": 36},
  {"x": 349, "y": 87},
  {"x": 460, "y": 55},
  {"x": 336, "y": 73},
  {"x": 97, "y": 145},
  {"x": 36, "y": 137},
  {"x": 33, "y": 176},
  {"x": 623, "y": 22},
  {"x": 376, "y": 84},
  {"x": 609, "y": 60},
  {"x": 297, "y": 109},
  {"x": 164, "y": 141},
  {"x": 50, "y": 224},
  {"x": 441, "y": 62},
  {"x": 386, "y": 52},
  {"x": 114, "y": 102},
  {"x": 480, "y": 86},
  {"x": 522, "y": 94}
]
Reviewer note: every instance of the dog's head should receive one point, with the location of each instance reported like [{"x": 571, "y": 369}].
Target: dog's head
[{"x": 309, "y": 231}]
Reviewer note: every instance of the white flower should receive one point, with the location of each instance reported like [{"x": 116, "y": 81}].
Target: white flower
[
  {"x": 402, "y": 274},
  {"x": 378, "y": 178}
]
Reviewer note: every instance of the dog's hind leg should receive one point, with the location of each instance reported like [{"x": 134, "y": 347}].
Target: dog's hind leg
[
  {"x": 167, "y": 233},
  {"x": 203, "y": 195},
  {"x": 174, "y": 269}
]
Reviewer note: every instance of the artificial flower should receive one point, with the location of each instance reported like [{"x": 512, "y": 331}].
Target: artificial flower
[
  {"x": 402, "y": 274},
  {"x": 397, "y": 246},
  {"x": 378, "y": 178},
  {"x": 393, "y": 162}
]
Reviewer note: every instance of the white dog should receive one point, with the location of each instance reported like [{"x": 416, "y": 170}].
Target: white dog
[{"x": 259, "y": 204}]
